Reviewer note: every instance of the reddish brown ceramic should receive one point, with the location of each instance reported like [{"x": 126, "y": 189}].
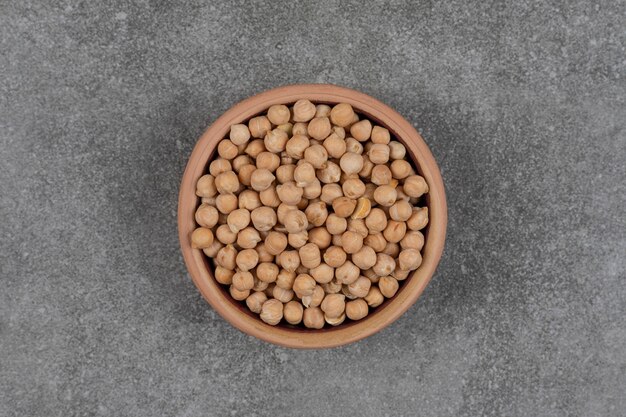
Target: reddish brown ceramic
[{"x": 235, "y": 312}]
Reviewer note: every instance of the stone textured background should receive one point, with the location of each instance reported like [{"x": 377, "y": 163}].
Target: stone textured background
[{"x": 522, "y": 104}]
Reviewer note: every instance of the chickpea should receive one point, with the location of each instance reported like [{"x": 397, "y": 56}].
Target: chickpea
[
  {"x": 356, "y": 309},
  {"x": 275, "y": 243},
  {"x": 333, "y": 287},
  {"x": 415, "y": 186},
  {"x": 333, "y": 305},
  {"x": 343, "y": 206},
  {"x": 226, "y": 203},
  {"x": 269, "y": 197},
  {"x": 303, "y": 285},
  {"x": 379, "y": 153},
  {"x": 303, "y": 111},
  {"x": 401, "y": 211},
  {"x": 310, "y": 255},
  {"x": 289, "y": 260},
  {"x": 272, "y": 312},
  {"x": 335, "y": 146},
  {"x": 278, "y": 114},
  {"x": 400, "y": 169},
  {"x": 313, "y": 318},
  {"x": 385, "y": 264},
  {"x": 255, "y": 301},
  {"x": 296, "y": 146},
  {"x": 201, "y": 238},
  {"x": 353, "y": 188},
  {"x": 304, "y": 174},
  {"x": 207, "y": 216},
  {"x": 293, "y": 312},
  {"x": 400, "y": 274},
  {"x": 226, "y": 257},
  {"x": 419, "y": 219},
  {"x": 316, "y": 213},
  {"x": 342, "y": 114},
  {"x": 240, "y": 161},
  {"x": 322, "y": 273},
  {"x": 335, "y": 224},
  {"x": 362, "y": 130},
  {"x": 358, "y": 226},
  {"x": 385, "y": 195},
  {"x": 302, "y": 204},
  {"x": 227, "y": 182},
  {"x": 267, "y": 272},
  {"x": 239, "y": 134},
  {"x": 376, "y": 220},
  {"x": 255, "y": 147},
  {"x": 267, "y": 160},
  {"x": 388, "y": 286},
  {"x": 330, "y": 192},
  {"x": 365, "y": 258},
  {"x": 259, "y": 126},
  {"x": 351, "y": 242},
  {"x": 348, "y": 273},
  {"x": 225, "y": 235},
  {"x": 243, "y": 281},
  {"x": 248, "y": 238},
  {"x": 320, "y": 237},
  {"x": 295, "y": 221},
  {"x": 316, "y": 155},
  {"x": 205, "y": 187},
  {"x": 227, "y": 150},
  {"x": 247, "y": 259},
  {"x": 261, "y": 179},
  {"x": 335, "y": 256},
  {"x": 380, "y": 135},
  {"x": 330, "y": 174},
  {"x": 224, "y": 275},
  {"x": 381, "y": 175},
  {"x": 276, "y": 140},
  {"x": 409, "y": 259},
  {"x": 319, "y": 128},
  {"x": 238, "y": 220},
  {"x": 396, "y": 150},
  {"x": 351, "y": 163}
]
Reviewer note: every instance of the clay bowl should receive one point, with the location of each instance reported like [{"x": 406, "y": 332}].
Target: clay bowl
[{"x": 236, "y": 312}]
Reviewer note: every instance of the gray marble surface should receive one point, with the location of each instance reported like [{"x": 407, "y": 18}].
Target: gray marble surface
[{"x": 522, "y": 103}]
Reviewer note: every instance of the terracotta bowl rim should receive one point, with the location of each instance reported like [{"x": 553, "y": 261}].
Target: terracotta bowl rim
[{"x": 295, "y": 337}]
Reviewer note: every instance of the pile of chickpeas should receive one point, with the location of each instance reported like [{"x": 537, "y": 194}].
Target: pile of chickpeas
[{"x": 311, "y": 214}]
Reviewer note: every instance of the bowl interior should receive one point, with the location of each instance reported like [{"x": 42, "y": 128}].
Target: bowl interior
[{"x": 236, "y": 312}]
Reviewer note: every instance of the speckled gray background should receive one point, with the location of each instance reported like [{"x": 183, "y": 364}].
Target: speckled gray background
[{"x": 523, "y": 105}]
